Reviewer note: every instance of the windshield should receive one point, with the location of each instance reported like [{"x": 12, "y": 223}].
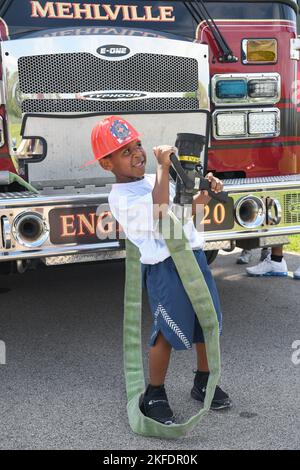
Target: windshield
[{"x": 19, "y": 17}]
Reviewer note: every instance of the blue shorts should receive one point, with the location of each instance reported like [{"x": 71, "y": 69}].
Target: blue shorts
[{"x": 173, "y": 313}]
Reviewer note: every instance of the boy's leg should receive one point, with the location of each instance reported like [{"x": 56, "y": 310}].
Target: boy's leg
[
  {"x": 159, "y": 358},
  {"x": 154, "y": 402},
  {"x": 202, "y": 364},
  {"x": 221, "y": 400}
]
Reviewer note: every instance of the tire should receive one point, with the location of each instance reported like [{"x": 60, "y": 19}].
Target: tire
[{"x": 211, "y": 255}]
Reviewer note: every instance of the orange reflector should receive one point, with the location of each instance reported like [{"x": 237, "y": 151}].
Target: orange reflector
[{"x": 260, "y": 51}]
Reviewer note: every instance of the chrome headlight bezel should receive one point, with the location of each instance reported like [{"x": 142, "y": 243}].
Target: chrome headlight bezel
[
  {"x": 263, "y": 77},
  {"x": 247, "y": 134}
]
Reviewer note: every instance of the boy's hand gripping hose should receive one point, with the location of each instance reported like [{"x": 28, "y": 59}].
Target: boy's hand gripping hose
[
  {"x": 187, "y": 169},
  {"x": 199, "y": 295}
]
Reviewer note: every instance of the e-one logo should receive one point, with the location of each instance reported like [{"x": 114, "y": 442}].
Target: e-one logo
[{"x": 113, "y": 50}]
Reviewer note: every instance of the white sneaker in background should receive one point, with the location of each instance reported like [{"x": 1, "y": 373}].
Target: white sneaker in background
[
  {"x": 297, "y": 273},
  {"x": 244, "y": 257},
  {"x": 268, "y": 268},
  {"x": 265, "y": 252}
]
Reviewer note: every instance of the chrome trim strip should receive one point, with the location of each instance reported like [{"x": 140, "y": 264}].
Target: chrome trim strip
[
  {"x": 2, "y": 137},
  {"x": 6, "y": 233},
  {"x": 2, "y": 93},
  {"x": 234, "y": 188},
  {"x": 294, "y": 48},
  {"x": 59, "y": 251},
  {"x": 85, "y": 258},
  {"x": 273, "y": 204},
  {"x": 62, "y": 199},
  {"x": 253, "y": 234}
]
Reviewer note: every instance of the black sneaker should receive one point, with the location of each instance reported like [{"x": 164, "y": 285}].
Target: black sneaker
[
  {"x": 220, "y": 401},
  {"x": 154, "y": 404}
]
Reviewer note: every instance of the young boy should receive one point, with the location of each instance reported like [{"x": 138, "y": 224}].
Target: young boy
[{"x": 137, "y": 201}]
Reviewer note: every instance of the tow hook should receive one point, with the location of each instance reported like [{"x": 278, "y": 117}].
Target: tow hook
[{"x": 23, "y": 265}]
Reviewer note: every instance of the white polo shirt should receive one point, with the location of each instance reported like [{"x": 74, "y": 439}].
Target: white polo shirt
[{"x": 132, "y": 206}]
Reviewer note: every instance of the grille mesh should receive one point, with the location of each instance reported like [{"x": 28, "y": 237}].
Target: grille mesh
[
  {"x": 83, "y": 72},
  {"x": 292, "y": 208},
  {"x": 88, "y": 106},
  {"x": 262, "y": 179},
  {"x": 17, "y": 195}
]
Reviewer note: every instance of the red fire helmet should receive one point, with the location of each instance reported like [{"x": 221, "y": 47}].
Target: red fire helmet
[{"x": 111, "y": 134}]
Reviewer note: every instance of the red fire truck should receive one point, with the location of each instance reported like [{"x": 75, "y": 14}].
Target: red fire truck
[{"x": 160, "y": 64}]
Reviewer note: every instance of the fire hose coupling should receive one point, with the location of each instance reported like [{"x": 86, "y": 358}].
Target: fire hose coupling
[
  {"x": 30, "y": 229},
  {"x": 252, "y": 211},
  {"x": 187, "y": 169}
]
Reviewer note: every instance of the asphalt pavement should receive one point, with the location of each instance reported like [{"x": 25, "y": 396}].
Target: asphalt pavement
[{"x": 62, "y": 386}]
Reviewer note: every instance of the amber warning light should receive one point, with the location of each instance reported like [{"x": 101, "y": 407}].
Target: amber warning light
[{"x": 259, "y": 51}]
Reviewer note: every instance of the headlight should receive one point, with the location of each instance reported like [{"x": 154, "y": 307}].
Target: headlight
[
  {"x": 231, "y": 89},
  {"x": 264, "y": 88},
  {"x": 241, "y": 89},
  {"x": 246, "y": 123},
  {"x": 262, "y": 123},
  {"x": 231, "y": 124}
]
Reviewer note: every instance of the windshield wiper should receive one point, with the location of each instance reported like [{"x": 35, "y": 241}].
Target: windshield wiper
[{"x": 199, "y": 12}]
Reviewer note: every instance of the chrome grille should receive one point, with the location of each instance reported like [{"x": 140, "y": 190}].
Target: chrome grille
[
  {"x": 115, "y": 106},
  {"x": 292, "y": 208},
  {"x": 64, "y": 75},
  {"x": 83, "y": 72}
]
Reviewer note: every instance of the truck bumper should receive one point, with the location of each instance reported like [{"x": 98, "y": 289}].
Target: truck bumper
[
  {"x": 267, "y": 209},
  {"x": 61, "y": 229}
]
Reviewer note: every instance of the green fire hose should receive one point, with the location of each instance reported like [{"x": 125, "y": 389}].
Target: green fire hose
[
  {"x": 7, "y": 177},
  {"x": 196, "y": 288}
]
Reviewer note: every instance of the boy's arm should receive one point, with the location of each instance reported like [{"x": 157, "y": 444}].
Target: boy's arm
[{"x": 160, "y": 193}]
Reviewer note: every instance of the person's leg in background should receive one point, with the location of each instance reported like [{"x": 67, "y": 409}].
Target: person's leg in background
[
  {"x": 274, "y": 265},
  {"x": 245, "y": 256}
]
